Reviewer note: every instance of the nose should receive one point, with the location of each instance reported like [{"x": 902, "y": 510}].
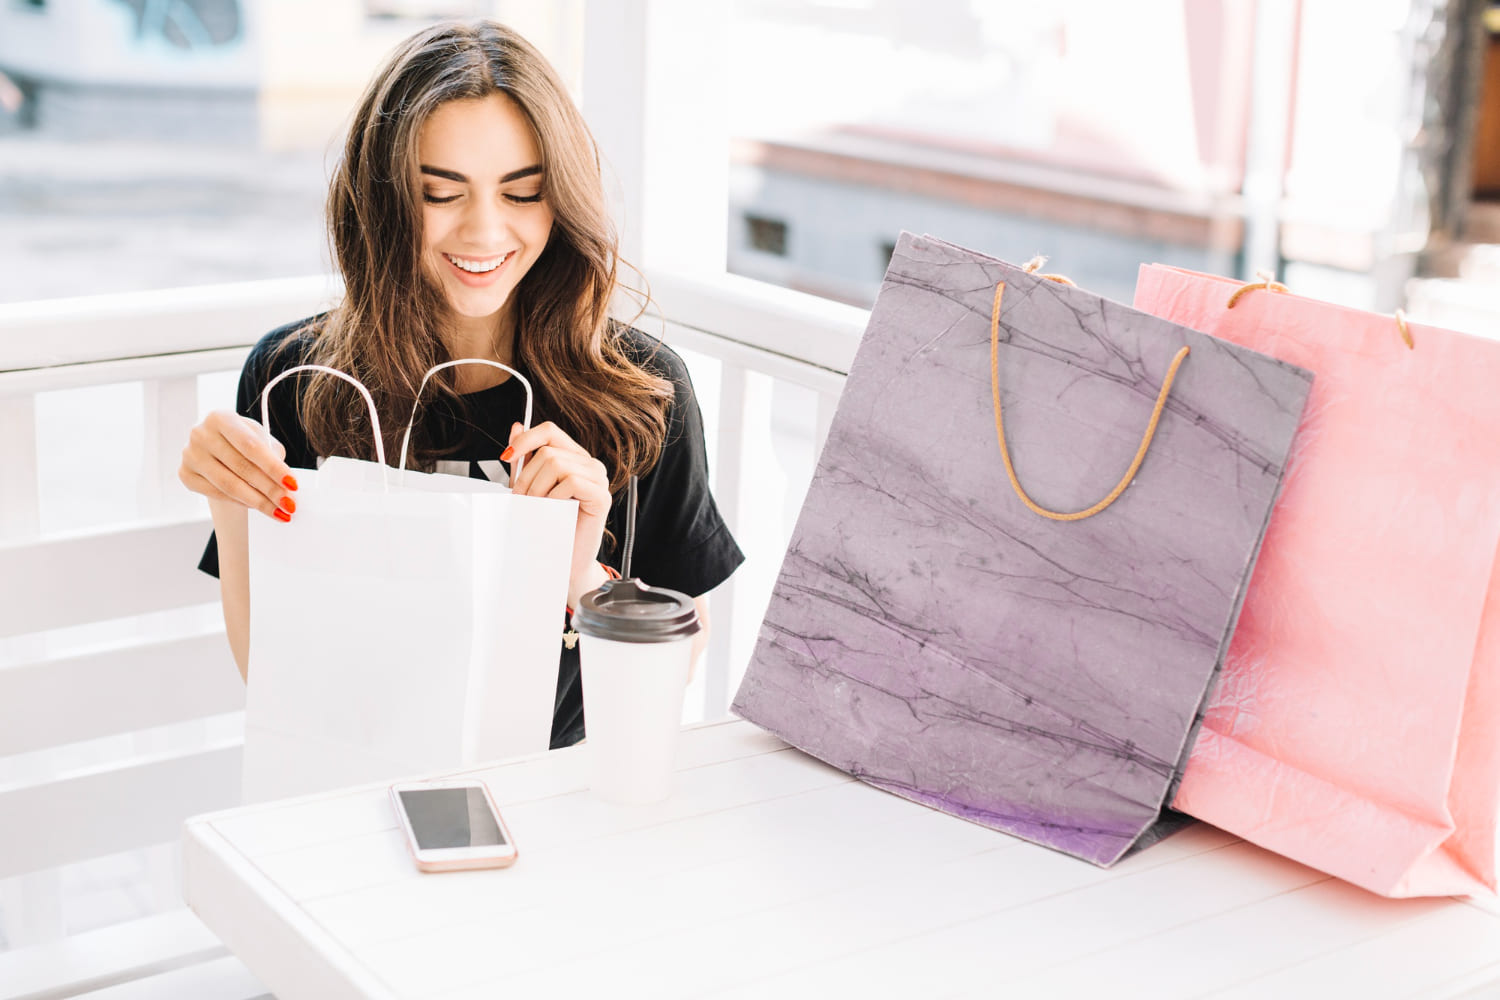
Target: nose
[{"x": 486, "y": 224}]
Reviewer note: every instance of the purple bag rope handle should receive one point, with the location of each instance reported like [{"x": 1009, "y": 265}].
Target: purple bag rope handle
[
  {"x": 525, "y": 421},
  {"x": 1010, "y": 469}
]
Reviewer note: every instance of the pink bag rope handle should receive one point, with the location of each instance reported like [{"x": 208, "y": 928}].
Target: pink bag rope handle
[
  {"x": 1266, "y": 281},
  {"x": 1270, "y": 284},
  {"x": 525, "y": 421},
  {"x": 265, "y": 406},
  {"x": 1411, "y": 345}
]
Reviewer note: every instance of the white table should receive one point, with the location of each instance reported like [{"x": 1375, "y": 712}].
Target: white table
[{"x": 771, "y": 874}]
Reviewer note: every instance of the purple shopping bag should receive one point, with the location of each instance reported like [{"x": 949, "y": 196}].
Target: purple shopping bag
[{"x": 937, "y": 636}]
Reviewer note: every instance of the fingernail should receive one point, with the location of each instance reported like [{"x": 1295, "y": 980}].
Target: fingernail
[
  {"x": 281, "y": 515},
  {"x": 289, "y": 505},
  {"x": 507, "y": 454},
  {"x": 289, "y": 482}
]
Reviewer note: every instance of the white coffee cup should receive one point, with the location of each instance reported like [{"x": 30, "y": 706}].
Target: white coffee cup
[{"x": 635, "y": 653}]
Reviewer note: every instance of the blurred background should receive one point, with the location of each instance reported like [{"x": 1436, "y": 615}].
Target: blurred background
[
  {"x": 1346, "y": 147},
  {"x": 1351, "y": 149}
]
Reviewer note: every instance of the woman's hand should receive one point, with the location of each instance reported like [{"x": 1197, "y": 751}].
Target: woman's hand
[
  {"x": 231, "y": 458},
  {"x": 556, "y": 466}
]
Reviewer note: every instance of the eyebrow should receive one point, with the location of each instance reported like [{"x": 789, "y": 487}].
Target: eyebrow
[{"x": 454, "y": 175}]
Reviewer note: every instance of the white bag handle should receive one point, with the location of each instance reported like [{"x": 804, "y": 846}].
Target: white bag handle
[
  {"x": 265, "y": 411},
  {"x": 525, "y": 422}
]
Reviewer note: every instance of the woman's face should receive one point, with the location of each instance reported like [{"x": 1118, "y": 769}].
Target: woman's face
[{"x": 484, "y": 220}]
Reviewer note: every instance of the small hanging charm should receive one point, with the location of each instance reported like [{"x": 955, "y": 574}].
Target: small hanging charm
[{"x": 570, "y": 639}]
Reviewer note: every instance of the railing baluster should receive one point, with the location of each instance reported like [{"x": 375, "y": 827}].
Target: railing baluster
[
  {"x": 20, "y": 510},
  {"x": 31, "y": 909},
  {"x": 729, "y": 475},
  {"x": 31, "y": 905},
  {"x": 169, "y": 412},
  {"x": 750, "y": 490}
]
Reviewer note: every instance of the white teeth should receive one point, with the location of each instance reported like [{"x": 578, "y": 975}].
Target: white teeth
[{"x": 475, "y": 267}]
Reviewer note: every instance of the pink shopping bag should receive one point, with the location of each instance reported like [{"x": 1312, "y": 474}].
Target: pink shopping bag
[{"x": 1357, "y": 725}]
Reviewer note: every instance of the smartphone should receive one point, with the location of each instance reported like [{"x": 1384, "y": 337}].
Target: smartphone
[{"x": 452, "y": 825}]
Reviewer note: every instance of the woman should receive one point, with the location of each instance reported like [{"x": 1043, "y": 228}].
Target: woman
[{"x": 468, "y": 220}]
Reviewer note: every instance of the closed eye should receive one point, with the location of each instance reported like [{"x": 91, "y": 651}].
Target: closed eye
[
  {"x": 435, "y": 200},
  {"x": 524, "y": 199}
]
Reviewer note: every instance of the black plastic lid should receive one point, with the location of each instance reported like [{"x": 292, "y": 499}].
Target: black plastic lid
[{"x": 631, "y": 611}]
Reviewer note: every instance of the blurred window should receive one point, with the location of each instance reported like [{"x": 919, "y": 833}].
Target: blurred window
[
  {"x": 1101, "y": 134},
  {"x": 152, "y": 144},
  {"x": 767, "y": 235}
]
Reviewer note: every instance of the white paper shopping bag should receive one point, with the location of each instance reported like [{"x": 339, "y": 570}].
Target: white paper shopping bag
[{"x": 400, "y": 623}]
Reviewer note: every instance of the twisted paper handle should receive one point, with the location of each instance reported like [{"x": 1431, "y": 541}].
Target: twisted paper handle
[
  {"x": 265, "y": 408},
  {"x": 1010, "y": 469},
  {"x": 525, "y": 423}
]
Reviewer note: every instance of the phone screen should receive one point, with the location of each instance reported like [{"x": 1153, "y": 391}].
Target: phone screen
[{"x": 451, "y": 817}]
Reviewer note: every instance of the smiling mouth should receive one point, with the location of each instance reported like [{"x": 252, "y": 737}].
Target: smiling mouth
[{"x": 478, "y": 265}]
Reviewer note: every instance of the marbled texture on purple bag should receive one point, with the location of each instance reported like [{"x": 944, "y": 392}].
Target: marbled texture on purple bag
[{"x": 932, "y": 636}]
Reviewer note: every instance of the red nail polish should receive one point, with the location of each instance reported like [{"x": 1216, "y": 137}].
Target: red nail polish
[
  {"x": 507, "y": 454},
  {"x": 289, "y": 482},
  {"x": 281, "y": 515},
  {"x": 289, "y": 505}
]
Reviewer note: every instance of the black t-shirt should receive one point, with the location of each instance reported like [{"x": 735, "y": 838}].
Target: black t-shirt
[{"x": 681, "y": 541}]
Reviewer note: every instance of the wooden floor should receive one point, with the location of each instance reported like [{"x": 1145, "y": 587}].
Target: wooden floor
[{"x": 771, "y": 874}]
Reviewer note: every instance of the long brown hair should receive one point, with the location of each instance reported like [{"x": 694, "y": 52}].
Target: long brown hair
[{"x": 389, "y": 328}]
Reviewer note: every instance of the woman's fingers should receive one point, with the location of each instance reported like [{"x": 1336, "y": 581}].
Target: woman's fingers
[
  {"x": 539, "y": 473},
  {"x": 265, "y": 452},
  {"x": 195, "y": 482},
  {"x": 569, "y": 487},
  {"x": 547, "y": 465},
  {"x": 229, "y": 485},
  {"x": 230, "y": 457},
  {"x": 566, "y": 475},
  {"x": 537, "y": 449},
  {"x": 548, "y": 434},
  {"x": 248, "y": 476}
]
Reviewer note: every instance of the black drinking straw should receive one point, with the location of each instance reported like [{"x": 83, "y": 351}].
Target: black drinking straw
[{"x": 629, "y": 530}]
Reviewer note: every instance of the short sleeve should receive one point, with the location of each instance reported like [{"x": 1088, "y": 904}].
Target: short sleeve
[{"x": 681, "y": 540}]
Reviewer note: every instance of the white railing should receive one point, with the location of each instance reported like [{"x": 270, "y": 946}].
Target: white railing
[{"x": 119, "y": 704}]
